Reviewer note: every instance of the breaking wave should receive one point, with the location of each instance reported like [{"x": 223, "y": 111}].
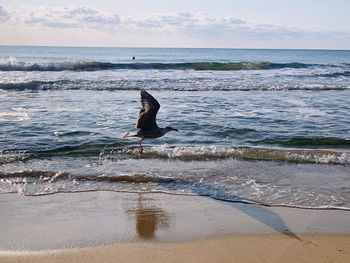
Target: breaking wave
[
  {"x": 335, "y": 74},
  {"x": 118, "y": 151},
  {"x": 48, "y": 176},
  {"x": 14, "y": 65},
  {"x": 202, "y": 153},
  {"x": 155, "y": 85}
]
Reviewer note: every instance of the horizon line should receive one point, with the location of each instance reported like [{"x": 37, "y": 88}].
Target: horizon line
[{"x": 247, "y": 48}]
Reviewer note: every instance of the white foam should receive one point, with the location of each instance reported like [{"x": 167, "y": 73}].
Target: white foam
[
  {"x": 253, "y": 153},
  {"x": 14, "y": 116}
]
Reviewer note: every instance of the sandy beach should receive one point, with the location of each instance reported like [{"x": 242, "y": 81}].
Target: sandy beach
[
  {"x": 127, "y": 227},
  {"x": 251, "y": 248}
]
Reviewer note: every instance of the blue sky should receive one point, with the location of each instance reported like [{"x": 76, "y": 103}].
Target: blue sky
[{"x": 314, "y": 24}]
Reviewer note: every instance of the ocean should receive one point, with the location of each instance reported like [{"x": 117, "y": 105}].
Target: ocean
[{"x": 267, "y": 127}]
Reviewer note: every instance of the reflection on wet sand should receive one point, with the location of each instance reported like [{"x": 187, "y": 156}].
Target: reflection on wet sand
[{"x": 148, "y": 218}]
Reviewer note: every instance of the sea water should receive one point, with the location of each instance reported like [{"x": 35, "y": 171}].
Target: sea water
[{"x": 269, "y": 127}]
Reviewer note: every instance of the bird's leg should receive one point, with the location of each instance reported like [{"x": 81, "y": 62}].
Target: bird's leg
[{"x": 140, "y": 148}]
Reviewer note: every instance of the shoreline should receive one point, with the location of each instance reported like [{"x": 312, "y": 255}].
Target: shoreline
[{"x": 97, "y": 226}]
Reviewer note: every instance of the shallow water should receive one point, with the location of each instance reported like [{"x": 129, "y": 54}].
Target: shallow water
[{"x": 258, "y": 126}]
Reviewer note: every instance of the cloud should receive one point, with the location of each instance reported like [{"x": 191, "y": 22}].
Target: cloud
[
  {"x": 206, "y": 26},
  {"x": 4, "y": 16},
  {"x": 69, "y": 17},
  {"x": 176, "y": 20},
  {"x": 181, "y": 20},
  {"x": 161, "y": 28}
]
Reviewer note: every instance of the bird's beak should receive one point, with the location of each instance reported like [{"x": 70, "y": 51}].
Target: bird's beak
[{"x": 175, "y": 129}]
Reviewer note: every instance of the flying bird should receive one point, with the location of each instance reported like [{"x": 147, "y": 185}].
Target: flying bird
[{"x": 146, "y": 124}]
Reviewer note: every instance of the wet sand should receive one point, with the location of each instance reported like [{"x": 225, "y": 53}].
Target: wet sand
[
  {"x": 251, "y": 248},
  {"x": 106, "y": 226}
]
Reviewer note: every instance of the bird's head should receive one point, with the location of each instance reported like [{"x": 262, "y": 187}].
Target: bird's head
[{"x": 169, "y": 129}]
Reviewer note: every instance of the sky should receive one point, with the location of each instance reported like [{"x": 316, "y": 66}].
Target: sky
[{"x": 299, "y": 24}]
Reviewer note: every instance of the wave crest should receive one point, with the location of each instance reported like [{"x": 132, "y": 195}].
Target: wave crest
[
  {"x": 203, "y": 153},
  {"x": 130, "y": 85},
  {"x": 49, "y": 176},
  {"x": 117, "y": 151},
  {"x": 13, "y": 65}
]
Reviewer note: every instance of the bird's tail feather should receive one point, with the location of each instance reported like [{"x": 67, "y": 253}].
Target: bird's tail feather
[{"x": 130, "y": 134}]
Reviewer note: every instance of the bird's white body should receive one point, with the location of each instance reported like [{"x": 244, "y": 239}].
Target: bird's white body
[{"x": 151, "y": 134}]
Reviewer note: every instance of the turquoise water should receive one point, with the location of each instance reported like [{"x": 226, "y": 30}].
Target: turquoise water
[{"x": 258, "y": 126}]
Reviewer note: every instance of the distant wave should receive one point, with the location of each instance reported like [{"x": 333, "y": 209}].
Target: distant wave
[{"x": 13, "y": 65}]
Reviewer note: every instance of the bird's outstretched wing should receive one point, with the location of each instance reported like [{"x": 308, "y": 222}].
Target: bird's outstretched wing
[{"x": 148, "y": 113}]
